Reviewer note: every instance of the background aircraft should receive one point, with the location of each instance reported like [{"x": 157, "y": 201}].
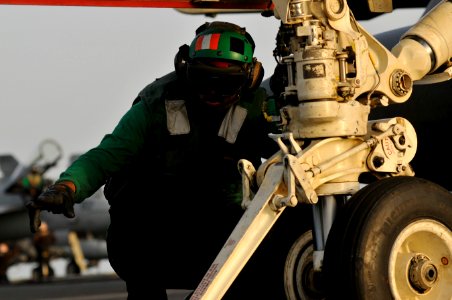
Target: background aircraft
[{"x": 80, "y": 239}]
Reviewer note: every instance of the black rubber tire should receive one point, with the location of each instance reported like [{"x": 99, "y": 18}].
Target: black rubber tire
[
  {"x": 359, "y": 246},
  {"x": 300, "y": 280},
  {"x": 263, "y": 275},
  {"x": 72, "y": 268}
]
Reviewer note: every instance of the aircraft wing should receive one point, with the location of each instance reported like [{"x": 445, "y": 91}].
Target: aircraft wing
[
  {"x": 182, "y": 4},
  {"x": 363, "y": 10},
  {"x": 8, "y": 164}
]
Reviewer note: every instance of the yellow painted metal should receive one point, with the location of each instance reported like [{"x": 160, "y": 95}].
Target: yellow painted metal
[{"x": 77, "y": 251}]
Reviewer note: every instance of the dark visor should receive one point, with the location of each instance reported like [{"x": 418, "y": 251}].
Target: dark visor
[{"x": 224, "y": 80}]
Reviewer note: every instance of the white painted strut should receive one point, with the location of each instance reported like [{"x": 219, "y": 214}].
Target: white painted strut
[{"x": 252, "y": 228}]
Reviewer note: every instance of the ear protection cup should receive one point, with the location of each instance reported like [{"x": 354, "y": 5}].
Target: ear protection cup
[
  {"x": 256, "y": 74},
  {"x": 180, "y": 60}
]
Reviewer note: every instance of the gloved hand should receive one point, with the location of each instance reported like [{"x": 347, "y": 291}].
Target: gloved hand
[{"x": 57, "y": 198}]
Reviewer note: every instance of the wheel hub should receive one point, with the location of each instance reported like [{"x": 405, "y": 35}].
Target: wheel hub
[
  {"x": 419, "y": 262},
  {"x": 422, "y": 273}
]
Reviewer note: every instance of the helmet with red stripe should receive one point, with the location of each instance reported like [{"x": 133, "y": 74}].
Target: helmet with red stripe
[
  {"x": 222, "y": 41},
  {"x": 220, "y": 61}
]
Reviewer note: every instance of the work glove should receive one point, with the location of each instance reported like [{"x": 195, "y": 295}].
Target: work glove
[{"x": 57, "y": 198}]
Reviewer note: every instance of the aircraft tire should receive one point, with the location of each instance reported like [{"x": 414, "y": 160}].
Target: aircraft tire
[
  {"x": 300, "y": 280},
  {"x": 263, "y": 275},
  {"x": 72, "y": 268},
  {"x": 392, "y": 240}
]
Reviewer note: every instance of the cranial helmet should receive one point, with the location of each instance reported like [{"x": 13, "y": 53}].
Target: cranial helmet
[
  {"x": 221, "y": 40},
  {"x": 221, "y": 58}
]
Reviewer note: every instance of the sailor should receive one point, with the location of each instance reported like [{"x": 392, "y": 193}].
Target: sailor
[{"x": 170, "y": 165}]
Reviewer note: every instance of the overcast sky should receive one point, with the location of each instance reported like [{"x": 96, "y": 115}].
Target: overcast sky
[{"x": 70, "y": 73}]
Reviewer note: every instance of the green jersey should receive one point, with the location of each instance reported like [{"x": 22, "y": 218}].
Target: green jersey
[{"x": 168, "y": 134}]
